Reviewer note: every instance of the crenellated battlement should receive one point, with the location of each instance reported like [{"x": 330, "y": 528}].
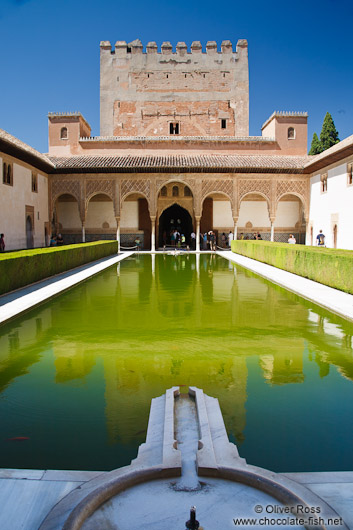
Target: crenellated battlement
[
  {"x": 187, "y": 90},
  {"x": 122, "y": 48}
]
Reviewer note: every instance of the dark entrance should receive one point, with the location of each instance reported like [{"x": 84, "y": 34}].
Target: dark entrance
[{"x": 174, "y": 218}]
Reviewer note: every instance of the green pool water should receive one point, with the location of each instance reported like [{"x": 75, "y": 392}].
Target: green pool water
[{"x": 77, "y": 374}]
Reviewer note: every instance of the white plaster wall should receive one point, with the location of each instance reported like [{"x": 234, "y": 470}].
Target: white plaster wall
[
  {"x": 287, "y": 214},
  {"x": 129, "y": 215},
  {"x": 13, "y": 200},
  {"x": 334, "y": 206},
  {"x": 68, "y": 215},
  {"x": 99, "y": 213},
  {"x": 222, "y": 214},
  {"x": 254, "y": 211}
]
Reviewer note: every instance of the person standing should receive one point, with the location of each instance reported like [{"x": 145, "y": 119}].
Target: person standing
[
  {"x": 2, "y": 243},
  {"x": 320, "y": 239},
  {"x": 193, "y": 240},
  {"x": 230, "y": 238}
]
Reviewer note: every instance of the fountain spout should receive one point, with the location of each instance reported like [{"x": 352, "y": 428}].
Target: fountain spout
[{"x": 192, "y": 524}]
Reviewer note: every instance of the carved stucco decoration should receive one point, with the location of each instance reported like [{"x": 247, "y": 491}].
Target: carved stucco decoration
[
  {"x": 61, "y": 187},
  {"x": 129, "y": 186},
  {"x": 260, "y": 186},
  {"x": 298, "y": 188},
  {"x": 95, "y": 187},
  {"x": 218, "y": 186},
  {"x": 178, "y": 178}
]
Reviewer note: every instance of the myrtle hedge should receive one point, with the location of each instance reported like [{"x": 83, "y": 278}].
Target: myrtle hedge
[
  {"x": 24, "y": 267},
  {"x": 332, "y": 267}
]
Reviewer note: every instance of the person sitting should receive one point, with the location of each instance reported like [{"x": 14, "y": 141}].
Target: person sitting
[
  {"x": 59, "y": 240},
  {"x": 292, "y": 239},
  {"x": 52, "y": 241}
]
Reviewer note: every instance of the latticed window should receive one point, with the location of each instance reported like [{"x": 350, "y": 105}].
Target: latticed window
[
  {"x": 34, "y": 182},
  {"x": 7, "y": 174},
  {"x": 164, "y": 191},
  {"x": 187, "y": 191},
  {"x": 63, "y": 133},
  {"x": 324, "y": 183},
  {"x": 175, "y": 192},
  {"x": 350, "y": 174},
  {"x": 174, "y": 128}
]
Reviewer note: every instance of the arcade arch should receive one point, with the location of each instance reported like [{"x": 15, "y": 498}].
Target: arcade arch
[
  {"x": 216, "y": 214},
  {"x": 66, "y": 218},
  {"x": 175, "y": 211},
  {"x": 290, "y": 218},
  {"x": 254, "y": 216},
  {"x": 135, "y": 220},
  {"x": 100, "y": 221}
]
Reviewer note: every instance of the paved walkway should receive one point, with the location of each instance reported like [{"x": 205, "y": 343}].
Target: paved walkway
[
  {"x": 327, "y": 297},
  {"x": 21, "y": 300},
  {"x": 26, "y": 496}
]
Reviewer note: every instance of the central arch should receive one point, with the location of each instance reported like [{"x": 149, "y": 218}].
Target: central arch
[{"x": 174, "y": 218}]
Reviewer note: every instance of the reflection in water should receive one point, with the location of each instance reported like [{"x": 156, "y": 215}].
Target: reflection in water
[{"x": 86, "y": 365}]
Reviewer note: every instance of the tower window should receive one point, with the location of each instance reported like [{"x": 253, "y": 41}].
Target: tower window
[
  {"x": 223, "y": 124},
  {"x": 291, "y": 133},
  {"x": 324, "y": 183},
  {"x": 63, "y": 133},
  {"x": 7, "y": 174},
  {"x": 34, "y": 182},
  {"x": 175, "y": 191},
  {"x": 174, "y": 128}
]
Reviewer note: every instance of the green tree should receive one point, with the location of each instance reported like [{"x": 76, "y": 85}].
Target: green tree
[
  {"x": 329, "y": 134},
  {"x": 316, "y": 146}
]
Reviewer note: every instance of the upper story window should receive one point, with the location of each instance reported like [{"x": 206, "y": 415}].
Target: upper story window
[
  {"x": 187, "y": 191},
  {"x": 291, "y": 133},
  {"x": 323, "y": 183},
  {"x": 7, "y": 174},
  {"x": 350, "y": 174},
  {"x": 164, "y": 191},
  {"x": 174, "y": 128},
  {"x": 223, "y": 124},
  {"x": 63, "y": 133},
  {"x": 175, "y": 191},
  {"x": 35, "y": 182}
]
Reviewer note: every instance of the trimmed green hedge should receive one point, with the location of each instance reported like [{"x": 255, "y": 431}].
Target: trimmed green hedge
[
  {"x": 27, "y": 266},
  {"x": 332, "y": 267}
]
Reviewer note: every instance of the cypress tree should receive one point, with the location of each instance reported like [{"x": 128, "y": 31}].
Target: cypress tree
[
  {"x": 316, "y": 146},
  {"x": 329, "y": 134}
]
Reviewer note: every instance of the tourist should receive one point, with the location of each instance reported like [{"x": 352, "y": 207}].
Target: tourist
[
  {"x": 241, "y": 236},
  {"x": 320, "y": 239},
  {"x": 204, "y": 247},
  {"x": 59, "y": 240},
  {"x": 259, "y": 236},
  {"x": 254, "y": 236},
  {"x": 183, "y": 240},
  {"x": 224, "y": 240},
  {"x": 230, "y": 238},
  {"x": 52, "y": 241},
  {"x": 212, "y": 240},
  {"x": 2, "y": 243},
  {"x": 193, "y": 240},
  {"x": 138, "y": 243},
  {"x": 292, "y": 239}
]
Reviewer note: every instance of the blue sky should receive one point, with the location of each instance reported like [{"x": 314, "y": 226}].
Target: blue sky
[{"x": 300, "y": 55}]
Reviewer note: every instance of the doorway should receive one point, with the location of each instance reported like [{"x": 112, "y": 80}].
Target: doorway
[
  {"x": 174, "y": 218},
  {"x": 29, "y": 232}
]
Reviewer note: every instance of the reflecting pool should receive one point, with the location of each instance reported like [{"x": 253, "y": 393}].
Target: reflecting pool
[{"x": 77, "y": 373}]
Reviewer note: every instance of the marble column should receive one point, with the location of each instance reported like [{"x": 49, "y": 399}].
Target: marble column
[
  {"x": 83, "y": 233},
  {"x": 235, "y": 233},
  {"x": 197, "y": 234},
  {"x": 272, "y": 229},
  {"x": 118, "y": 232},
  {"x": 153, "y": 234}
]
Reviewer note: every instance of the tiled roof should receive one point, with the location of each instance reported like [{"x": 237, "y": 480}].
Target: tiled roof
[
  {"x": 17, "y": 148},
  {"x": 152, "y": 163}
]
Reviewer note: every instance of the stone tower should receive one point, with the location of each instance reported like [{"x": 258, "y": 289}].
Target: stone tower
[{"x": 182, "y": 92}]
